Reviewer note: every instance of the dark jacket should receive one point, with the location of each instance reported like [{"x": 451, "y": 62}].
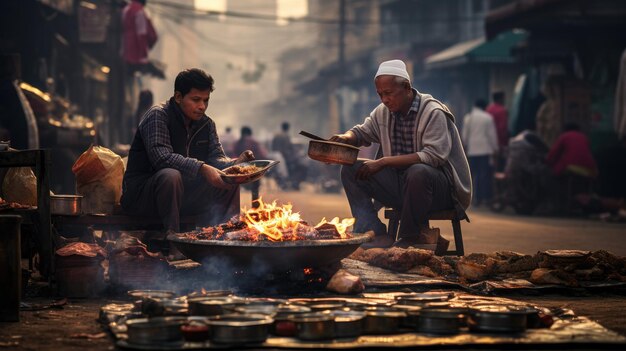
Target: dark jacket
[{"x": 163, "y": 141}]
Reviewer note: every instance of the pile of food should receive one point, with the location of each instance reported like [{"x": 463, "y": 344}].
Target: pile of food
[
  {"x": 559, "y": 267},
  {"x": 4, "y": 205},
  {"x": 242, "y": 170},
  {"x": 271, "y": 222}
]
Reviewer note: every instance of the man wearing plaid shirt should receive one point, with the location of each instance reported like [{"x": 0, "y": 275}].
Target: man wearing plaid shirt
[
  {"x": 175, "y": 160},
  {"x": 423, "y": 167}
]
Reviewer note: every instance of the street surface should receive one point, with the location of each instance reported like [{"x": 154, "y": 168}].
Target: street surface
[
  {"x": 487, "y": 231},
  {"x": 75, "y": 328}
]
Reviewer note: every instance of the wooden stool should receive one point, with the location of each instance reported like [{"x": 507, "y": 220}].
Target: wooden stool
[{"x": 446, "y": 215}]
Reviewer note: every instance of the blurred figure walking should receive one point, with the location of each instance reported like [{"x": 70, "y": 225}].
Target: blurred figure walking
[
  {"x": 282, "y": 143},
  {"x": 500, "y": 115},
  {"x": 481, "y": 144},
  {"x": 247, "y": 142}
]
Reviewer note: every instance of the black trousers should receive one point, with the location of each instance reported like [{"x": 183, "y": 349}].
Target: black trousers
[
  {"x": 415, "y": 192},
  {"x": 167, "y": 195}
]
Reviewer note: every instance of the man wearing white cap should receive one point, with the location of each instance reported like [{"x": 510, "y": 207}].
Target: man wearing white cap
[{"x": 423, "y": 167}]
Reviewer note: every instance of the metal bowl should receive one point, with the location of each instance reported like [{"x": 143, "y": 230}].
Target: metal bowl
[
  {"x": 441, "y": 320},
  {"x": 67, "y": 205},
  {"x": 332, "y": 152},
  {"x": 348, "y": 324},
  {"x": 235, "y": 329},
  {"x": 150, "y": 331},
  {"x": 165, "y": 294},
  {"x": 211, "y": 293},
  {"x": 499, "y": 319},
  {"x": 314, "y": 326},
  {"x": 422, "y": 299},
  {"x": 283, "y": 320},
  {"x": 213, "y": 306},
  {"x": 383, "y": 320},
  {"x": 264, "y": 166}
]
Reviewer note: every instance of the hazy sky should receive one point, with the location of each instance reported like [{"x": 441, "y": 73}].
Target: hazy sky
[{"x": 285, "y": 8}]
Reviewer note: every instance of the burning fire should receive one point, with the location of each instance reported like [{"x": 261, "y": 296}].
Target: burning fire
[{"x": 276, "y": 221}]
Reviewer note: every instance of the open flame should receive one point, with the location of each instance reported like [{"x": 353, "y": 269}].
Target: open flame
[
  {"x": 279, "y": 222},
  {"x": 341, "y": 226}
]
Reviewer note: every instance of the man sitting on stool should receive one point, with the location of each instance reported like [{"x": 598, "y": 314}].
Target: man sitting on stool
[{"x": 423, "y": 168}]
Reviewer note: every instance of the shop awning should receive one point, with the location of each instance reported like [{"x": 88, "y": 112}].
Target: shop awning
[{"x": 498, "y": 50}]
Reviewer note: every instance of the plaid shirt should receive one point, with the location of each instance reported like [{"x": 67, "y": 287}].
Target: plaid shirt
[
  {"x": 156, "y": 137},
  {"x": 404, "y": 129}
]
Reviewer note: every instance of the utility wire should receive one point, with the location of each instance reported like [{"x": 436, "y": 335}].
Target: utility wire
[{"x": 192, "y": 12}]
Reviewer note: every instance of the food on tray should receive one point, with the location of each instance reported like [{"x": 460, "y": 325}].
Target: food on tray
[
  {"x": 242, "y": 170},
  {"x": 560, "y": 267}
]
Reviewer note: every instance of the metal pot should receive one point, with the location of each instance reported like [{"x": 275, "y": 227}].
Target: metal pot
[
  {"x": 239, "y": 329},
  {"x": 146, "y": 331},
  {"x": 500, "y": 319},
  {"x": 441, "y": 320},
  {"x": 348, "y": 324},
  {"x": 331, "y": 152},
  {"x": 68, "y": 205},
  {"x": 314, "y": 326},
  {"x": 213, "y": 306},
  {"x": 383, "y": 320}
]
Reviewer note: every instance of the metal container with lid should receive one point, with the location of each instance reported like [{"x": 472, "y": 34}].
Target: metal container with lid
[
  {"x": 236, "y": 329},
  {"x": 348, "y": 324},
  {"x": 441, "y": 320},
  {"x": 383, "y": 320},
  {"x": 314, "y": 326},
  {"x": 152, "y": 331},
  {"x": 67, "y": 205},
  {"x": 499, "y": 319},
  {"x": 213, "y": 306}
]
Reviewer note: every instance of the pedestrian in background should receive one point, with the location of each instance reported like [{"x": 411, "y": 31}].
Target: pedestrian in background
[
  {"x": 572, "y": 151},
  {"x": 481, "y": 145},
  {"x": 146, "y": 100},
  {"x": 138, "y": 35},
  {"x": 500, "y": 116},
  {"x": 247, "y": 142},
  {"x": 228, "y": 140},
  {"x": 282, "y": 143}
]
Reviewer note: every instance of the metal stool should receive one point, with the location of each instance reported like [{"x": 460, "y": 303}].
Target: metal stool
[{"x": 445, "y": 215}]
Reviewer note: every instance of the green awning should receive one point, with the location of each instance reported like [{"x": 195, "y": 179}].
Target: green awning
[{"x": 498, "y": 50}]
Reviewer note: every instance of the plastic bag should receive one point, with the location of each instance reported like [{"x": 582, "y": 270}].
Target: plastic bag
[
  {"x": 20, "y": 185},
  {"x": 99, "y": 173}
]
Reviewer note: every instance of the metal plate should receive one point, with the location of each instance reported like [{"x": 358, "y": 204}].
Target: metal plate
[{"x": 265, "y": 166}]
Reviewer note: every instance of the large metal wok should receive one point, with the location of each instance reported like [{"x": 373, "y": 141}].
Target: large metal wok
[{"x": 266, "y": 255}]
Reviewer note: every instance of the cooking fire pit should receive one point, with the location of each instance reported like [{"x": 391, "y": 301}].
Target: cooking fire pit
[
  {"x": 273, "y": 256},
  {"x": 270, "y": 238}
]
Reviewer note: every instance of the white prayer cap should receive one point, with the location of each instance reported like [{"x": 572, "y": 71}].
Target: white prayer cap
[{"x": 393, "y": 68}]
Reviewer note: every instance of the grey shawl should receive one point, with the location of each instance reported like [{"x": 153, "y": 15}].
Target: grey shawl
[{"x": 436, "y": 141}]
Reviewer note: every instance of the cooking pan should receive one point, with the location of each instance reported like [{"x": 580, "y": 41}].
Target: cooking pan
[
  {"x": 68, "y": 205},
  {"x": 273, "y": 256},
  {"x": 326, "y": 151}
]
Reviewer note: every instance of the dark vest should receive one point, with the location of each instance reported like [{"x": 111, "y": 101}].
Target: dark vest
[{"x": 194, "y": 145}]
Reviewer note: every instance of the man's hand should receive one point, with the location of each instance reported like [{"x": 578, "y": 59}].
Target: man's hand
[
  {"x": 345, "y": 138},
  {"x": 369, "y": 168},
  {"x": 213, "y": 176},
  {"x": 245, "y": 157}
]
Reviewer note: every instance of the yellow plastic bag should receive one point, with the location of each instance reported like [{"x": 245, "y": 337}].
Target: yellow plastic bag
[
  {"x": 99, "y": 173},
  {"x": 20, "y": 185}
]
